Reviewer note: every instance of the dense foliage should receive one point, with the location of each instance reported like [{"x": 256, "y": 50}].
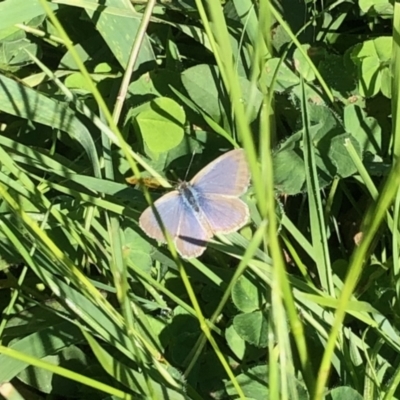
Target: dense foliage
[{"x": 104, "y": 103}]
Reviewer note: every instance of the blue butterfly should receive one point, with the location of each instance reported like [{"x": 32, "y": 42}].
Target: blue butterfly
[{"x": 207, "y": 205}]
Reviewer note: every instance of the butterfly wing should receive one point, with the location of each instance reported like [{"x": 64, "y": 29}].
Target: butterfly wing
[
  {"x": 228, "y": 175},
  {"x": 224, "y": 214},
  {"x": 193, "y": 234},
  {"x": 218, "y": 186},
  {"x": 169, "y": 208},
  {"x": 182, "y": 223}
]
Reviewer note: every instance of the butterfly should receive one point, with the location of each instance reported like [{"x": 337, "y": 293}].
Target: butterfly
[{"x": 208, "y": 204}]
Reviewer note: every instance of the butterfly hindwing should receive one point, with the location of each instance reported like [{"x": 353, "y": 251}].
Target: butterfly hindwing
[
  {"x": 224, "y": 214},
  {"x": 193, "y": 234}
]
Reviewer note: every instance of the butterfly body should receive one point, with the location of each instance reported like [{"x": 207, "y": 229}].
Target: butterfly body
[
  {"x": 189, "y": 195},
  {"x": 207, "y": 205}
]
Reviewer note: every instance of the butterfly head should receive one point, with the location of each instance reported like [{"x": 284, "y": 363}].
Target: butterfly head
[{"x": 182, "y": 186}]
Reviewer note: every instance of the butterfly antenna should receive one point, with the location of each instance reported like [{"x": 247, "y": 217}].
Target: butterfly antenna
[{"x": 190, "y": 164}]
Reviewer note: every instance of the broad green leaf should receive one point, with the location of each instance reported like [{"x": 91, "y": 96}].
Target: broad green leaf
[
  {"x": 285, "y": 78},
  {"x": 204, "y": 86},
  {"x": 385, "y": 9},
  {"x": 344, "y": 393},
  {"x": 181, "y": 345},
  {"x": 118, "y": 24},
  {"x": 386, "y": 82},
  {"x": 366, "y": 5},
  {"x": 289, "y": 160},
  {"x": 39, "y": 345},
  {"x": 70, "y": 357},
  {"x": 235, "y": 342},
  {"x": 289, "y": 172},
  {"x": 194, "y": 32},
  {"x": 20, "y": 11},
  {"x": 302, "y": 65},
  {"x": 369, "y": 57},
  {"x": 211, "y": 122},
  {"x": 340, "y": 156},
  {"x": 252, "y": 327},
  {"x": 13, "y": 55},
  {"x": 364, "y": 129},
  {"x": 161, "y": 124},
  {"x": 246, "y": 295},
  {"x": 77, "y": 81},
  {"x": 83, "y": 51},
  {"x": 324, "y": 123},
  {"x": 12, "y": 33},
  {"x": 254, "y": 383},
  {"x": 383, "y": 48},
  {"x": 137, "y": 249},
  {"x": 15, "y": 46},
  {"x": 143, "y": 86}
]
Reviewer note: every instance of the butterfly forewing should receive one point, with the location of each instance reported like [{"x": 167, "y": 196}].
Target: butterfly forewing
[
  {"x": 170, "y": 208},
  {"x": 227, "y": 175}
]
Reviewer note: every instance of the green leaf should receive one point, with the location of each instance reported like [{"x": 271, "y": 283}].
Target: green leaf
[
  {"x": 118, "y": 24},
  {"x": 17, "y": 99},
  {"x": 144, "y": 86},
  {"x": 386, "y": 82},
  {"x": 384, "y": 9},
  {"x": 13, "y": 52},
  {"x": 202, "y": 83},
  {"x": 364, "y": 129},
  {"x": 39, "y": 345},
  {"x": 285, "y": 78},
  {"x": 288, "y": 81},
  {"x": 280, "y": 38},
  {"x": 82, "y": 49},
  {"x": 77, "y": 81},
  {"x": 370, "y": 56},
  {"x": 289, "y": 160},
  {"x": 252, "y": 327},
  {"x": 204, "y": 86},
  {"x": 344, "y": 393},
  {"x": 249, "y": 91},
  {"x": 289, "y": 171},
  {"x": 302, "y": 65},
  {"x": 20, "y": 11},
  {"x": 211, "y": 123},
  {"x": 161, "y": 124},
  {"x": 340, "y": 156},
  {"x": 324, "y": 123},
  {"x": 43, "y": 380},
  {"x": 246, "y": 295},
  {"x": 235, "y": 342},
  {"x": 366, "y": 5},
  {"x": 137, "y": 249},
  {"x": 253, "y": 382}
]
